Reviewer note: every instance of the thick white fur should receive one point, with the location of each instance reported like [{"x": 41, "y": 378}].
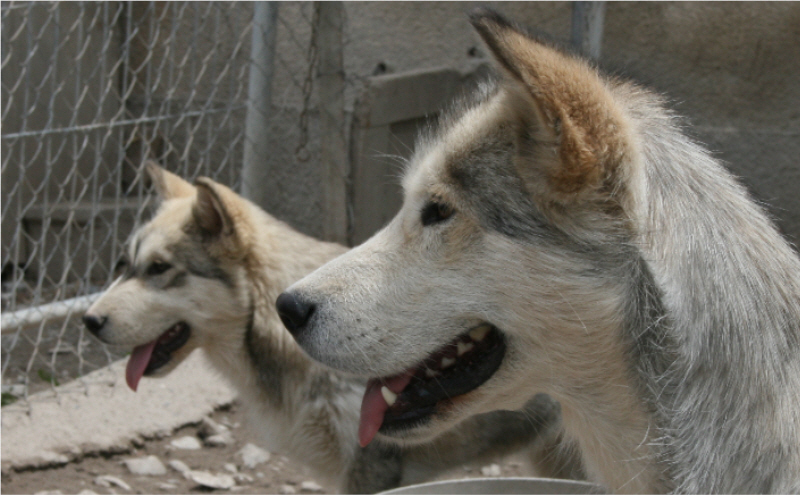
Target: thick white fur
[
  {"x": 319, "y": 433},
  {"x": 707, "y": 404}
]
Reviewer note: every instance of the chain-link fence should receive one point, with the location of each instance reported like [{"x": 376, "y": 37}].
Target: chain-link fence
[{"x": 90, "y": 91}]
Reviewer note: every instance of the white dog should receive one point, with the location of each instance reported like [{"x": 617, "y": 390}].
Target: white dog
[{"x": 561, "y": 235}]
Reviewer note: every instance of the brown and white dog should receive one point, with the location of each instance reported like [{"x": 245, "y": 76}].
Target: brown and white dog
[{"x": 560, "y": 234}]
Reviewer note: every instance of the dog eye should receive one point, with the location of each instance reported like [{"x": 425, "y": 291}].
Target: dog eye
[
  {"x": 158, "y": 267},
  {"x": 435, "y": 212}
]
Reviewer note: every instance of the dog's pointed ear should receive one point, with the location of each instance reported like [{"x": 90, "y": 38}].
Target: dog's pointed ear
[
  {"x": 167, "y": 184},
  {"x": 570, "y": 105},
  {"x": 211, "y": 211}
]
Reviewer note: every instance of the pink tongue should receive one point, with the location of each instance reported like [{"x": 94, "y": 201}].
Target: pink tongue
[
  {"x": 374, "y": 406},
  {"x": 138, "y": 363}
]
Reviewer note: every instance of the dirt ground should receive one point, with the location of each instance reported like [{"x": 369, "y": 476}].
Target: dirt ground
[{"x": 277, "y": 475}]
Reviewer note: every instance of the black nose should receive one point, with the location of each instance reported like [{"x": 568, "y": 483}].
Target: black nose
[
  {"x": 94, "y": 323},
  {"x": 294, "y": 312}
]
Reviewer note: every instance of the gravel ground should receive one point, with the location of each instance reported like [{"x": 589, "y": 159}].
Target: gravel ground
[{"x": 223, "y": 465}]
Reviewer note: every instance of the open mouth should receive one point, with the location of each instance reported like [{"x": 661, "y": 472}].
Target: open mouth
[
  {"x": 408, "y": 399},
  {"x": 147, "y": 358}
]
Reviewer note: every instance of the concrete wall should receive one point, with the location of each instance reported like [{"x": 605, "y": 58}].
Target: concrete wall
[
  {"x": 733, "y": 70},
  {"x": 729, "y": 68}
]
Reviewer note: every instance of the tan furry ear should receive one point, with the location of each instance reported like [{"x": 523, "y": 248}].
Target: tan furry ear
[
  {"x": 571, "y": 103},
  {"x": 167, "y": 184},
  {"x": 210, "y": 211}
]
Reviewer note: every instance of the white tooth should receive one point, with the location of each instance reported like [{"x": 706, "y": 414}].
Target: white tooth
[
  {"x": 389, "y": 396},
  {"x": 447, "y": 362},
  {"x": 477, "y": 334},
  {"x": 464, "y": 347},
  {"x": 430, "y": 373}
]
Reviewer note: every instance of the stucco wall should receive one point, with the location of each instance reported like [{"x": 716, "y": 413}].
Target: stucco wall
[{"x": 731, "y": 68}]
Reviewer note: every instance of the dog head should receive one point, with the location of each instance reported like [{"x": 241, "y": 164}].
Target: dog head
[
  {"x": 182, "y": 286},
  {"x": 499, "y": 267}
]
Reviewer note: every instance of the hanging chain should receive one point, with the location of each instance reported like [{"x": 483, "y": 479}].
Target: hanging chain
[{"x": 301, "y": 152}]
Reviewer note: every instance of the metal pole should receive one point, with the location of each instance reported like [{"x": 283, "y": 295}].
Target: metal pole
[
  {"x": 46, "y": 313},
  {"x": 255, "y": 172},
  {"x": 333, "y": 146},
  {"x": 587, "y": 27}
]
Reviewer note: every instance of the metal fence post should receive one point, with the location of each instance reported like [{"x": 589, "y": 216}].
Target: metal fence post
[
  {"x": 333, "y": 146},
  {"x": 259, "y": 98},
  {"x": 587, "y": 27}
]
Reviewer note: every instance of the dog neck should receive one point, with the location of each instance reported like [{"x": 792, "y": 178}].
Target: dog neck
[
  {"x": 282, "y": 390},
  {"x": 275, "y": 367},
  {"x": 615, "y": 445},
  {"x": 730, "y": 286},
  {"x": 603, "y": 374},
  {"x": 269, "y": 363},
  {"x": 625, "y": 430},
  {"x": 605, "y": 415}
]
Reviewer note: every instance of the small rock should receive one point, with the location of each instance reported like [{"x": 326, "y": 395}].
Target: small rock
[
  {"x": 166, "y": 486},
  {"x": 230, "y": 467},
  {"x": 186, "y": 443},
  {"x": 218, "y": 481},
  {"x": 209, "y": 428},
  {"x": 310, "y": 487},
  {"x": 49, "y": 492},
  {"x": 491, "y": 470},
  {"x": 109, "y": 481},
  {"x": 242, "y": 479},
  {"x": 18, "y": 390},
  {"x": 148, "y": 466},
  {"x": 252, "y": 455},
  {"x": 221, "y": 440},
  {"x": 287, "y": 489},
  {"x": 179, "y": 466}
]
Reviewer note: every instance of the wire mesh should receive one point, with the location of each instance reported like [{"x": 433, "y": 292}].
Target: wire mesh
[{"x": 90, "y": 91}]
